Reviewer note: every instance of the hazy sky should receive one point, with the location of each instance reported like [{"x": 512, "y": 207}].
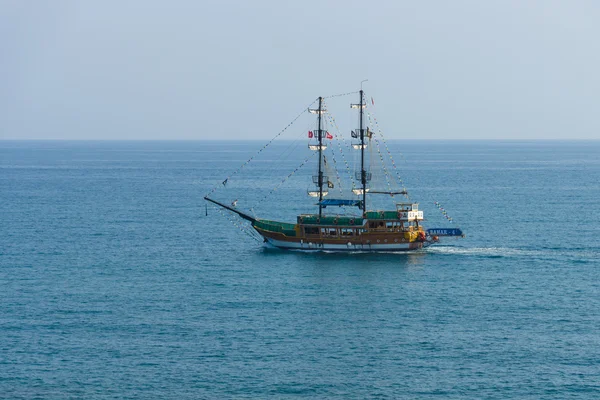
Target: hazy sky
[{"x": 243, "y": 69}]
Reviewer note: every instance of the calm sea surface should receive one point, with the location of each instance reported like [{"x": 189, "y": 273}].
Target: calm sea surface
[{"x": 114, "y": 283}]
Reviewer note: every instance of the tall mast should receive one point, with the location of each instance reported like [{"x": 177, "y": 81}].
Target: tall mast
[
  {"x": 364, "y": 176},
  {"x": 363, "y": 173},
  {"x": 320, "y": 133}
]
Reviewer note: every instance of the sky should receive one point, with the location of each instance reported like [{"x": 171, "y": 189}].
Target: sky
[{"x": 206, "y": 70}]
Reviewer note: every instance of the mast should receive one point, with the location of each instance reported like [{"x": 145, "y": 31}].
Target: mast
[
  {"x": 320, "y": 134},
  {"x": 363, "y": 174},
  {"x": 320, "y": 179},
  {"x": 364, "y": 177}
]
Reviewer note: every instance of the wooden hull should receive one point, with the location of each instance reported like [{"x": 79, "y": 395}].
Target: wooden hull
[{"x": 367, "y": 243}]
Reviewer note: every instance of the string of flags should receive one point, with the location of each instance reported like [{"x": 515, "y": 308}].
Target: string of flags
[
  {"x": 289, "y": 176},
  {"x": 339, "y": 95},
  {"x": 386, "y": 148},
  {"x": 337, "y": 173},
  {"x": 443, "y": 210},
  {"x": 241, "y": 227},
  {"x": 437, "y": 203},
  {"x": 224, "y": 183},
  {"x": 339, "y": 145},
  {"x": 385, "y": 171}
]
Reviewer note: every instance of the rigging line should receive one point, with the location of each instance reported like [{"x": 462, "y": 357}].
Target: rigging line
[
  {"x": 438, "y": 205},
  {"x": 256, "y": 236},
  {"x": 337, "y": 174},
  {"x": 385, "y": 170},
  {"x": 287, "y": 177},
  {"x": 389, "y": 153},
  {"x": 328, "y": 169},
  {"x": 340, "y": 95},
  {"x": 289, "y": 150},
  {"x": 294, "y": 143},
  {"x": 340, "y": 149},
  {"x": 443, "y": 211},
  {"x": 264, "y": 147},
  {"x": 239, "y": 226}
]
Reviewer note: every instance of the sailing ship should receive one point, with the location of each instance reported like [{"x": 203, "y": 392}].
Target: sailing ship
[{"x": 399, "y": 229}]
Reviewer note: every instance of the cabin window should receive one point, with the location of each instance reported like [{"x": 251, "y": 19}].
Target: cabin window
[
  {"x": 311, "y": 230},
  {"x": 347, "y": 232},
  {"x": 328, "y": 232}
]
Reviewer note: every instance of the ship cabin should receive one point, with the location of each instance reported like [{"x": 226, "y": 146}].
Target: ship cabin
[{"x": 405, "y": 219}]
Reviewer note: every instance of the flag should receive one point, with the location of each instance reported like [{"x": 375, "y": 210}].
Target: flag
[
  {"x": 225, "y": 181},
  {"x": 330, "y": 184},
  {"x": 372, "y": 101},
  {"x": 310, "y": 134},
  {"x": 329, "y": 135}
]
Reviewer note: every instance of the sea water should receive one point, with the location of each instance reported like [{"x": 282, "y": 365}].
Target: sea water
[{"x": 115, "y": 283}]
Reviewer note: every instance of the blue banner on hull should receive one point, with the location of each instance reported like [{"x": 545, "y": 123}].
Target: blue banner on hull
[{"x": 444, "y": 232}]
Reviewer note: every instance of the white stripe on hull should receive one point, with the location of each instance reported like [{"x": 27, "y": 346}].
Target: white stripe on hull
[{"x": 344, "y": 247}]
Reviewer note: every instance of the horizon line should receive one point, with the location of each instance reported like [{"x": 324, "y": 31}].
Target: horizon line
[{"x": 262, "y": 140}]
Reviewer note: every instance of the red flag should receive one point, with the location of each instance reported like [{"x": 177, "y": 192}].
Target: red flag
[
  {"x": 329, "y": 136},
  {"x": 310, "y": 134},
  {"x": 372, "y": 101}
]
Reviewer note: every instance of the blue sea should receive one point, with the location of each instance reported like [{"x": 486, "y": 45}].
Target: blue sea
[{"x": 117, "y": 280}]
